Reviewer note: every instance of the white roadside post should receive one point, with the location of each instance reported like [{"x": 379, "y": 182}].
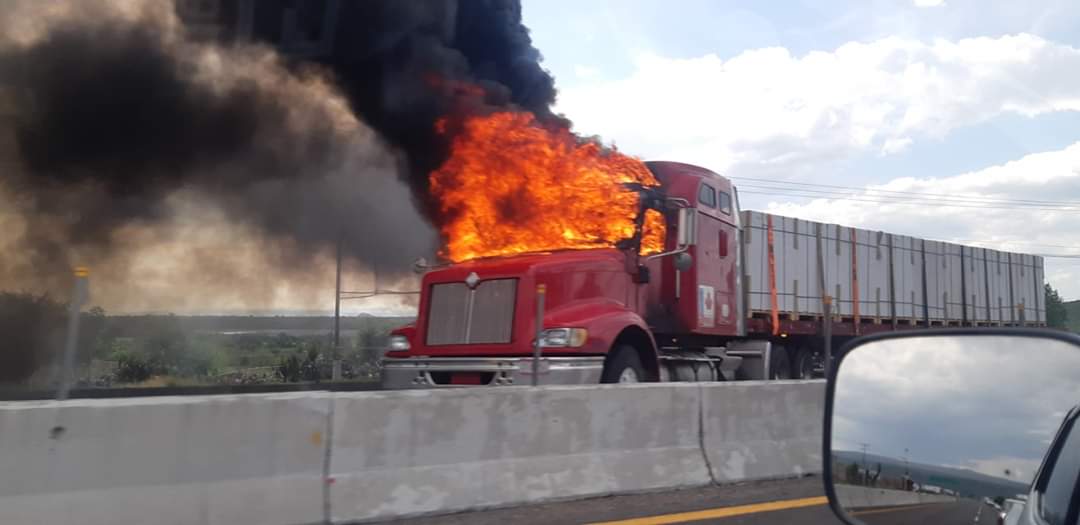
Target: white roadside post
[{"x": 541, "y": 290}]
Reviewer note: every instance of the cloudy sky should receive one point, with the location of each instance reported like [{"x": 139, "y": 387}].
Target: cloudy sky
[
  {"x": 955, "y": 120},
  {"x": 978, "y": 421}
]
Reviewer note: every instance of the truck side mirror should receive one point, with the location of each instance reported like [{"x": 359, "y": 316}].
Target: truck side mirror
[
  {"x": 420, "y": 265},
  {"x": 687, "y": 227}
]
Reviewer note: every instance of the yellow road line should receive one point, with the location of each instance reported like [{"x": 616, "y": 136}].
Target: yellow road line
[{"x": 722, "y": 512}]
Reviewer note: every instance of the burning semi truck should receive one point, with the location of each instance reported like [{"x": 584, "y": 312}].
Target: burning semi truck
[{"x": 694, "y": 289}]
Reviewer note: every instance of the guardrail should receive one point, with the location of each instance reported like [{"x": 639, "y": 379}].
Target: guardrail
[
  {"x": 856, "y": 497},
  {"x": 321, "y": 457}
]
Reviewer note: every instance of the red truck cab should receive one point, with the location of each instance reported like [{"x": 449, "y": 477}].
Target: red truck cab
[{"x": 608, "y": 314}]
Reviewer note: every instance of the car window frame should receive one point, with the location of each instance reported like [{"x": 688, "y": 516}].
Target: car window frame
[{"x": 1046, "y": 469}]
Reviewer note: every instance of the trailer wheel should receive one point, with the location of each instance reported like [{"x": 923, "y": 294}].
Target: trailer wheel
[
  {"x": 623, "y": 366},
  {"x": 779, "y": 365}
]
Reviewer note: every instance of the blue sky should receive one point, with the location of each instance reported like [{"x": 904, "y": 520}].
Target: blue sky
[
  {"x": 607, "y": 34},
  {"x": 976, "y": 100}
]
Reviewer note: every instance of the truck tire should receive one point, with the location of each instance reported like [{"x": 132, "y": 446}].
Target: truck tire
[
  {"x": 804, "y": 363},
  {"x": 779, "y": 365},
  {"x": 624, "y": 366}
]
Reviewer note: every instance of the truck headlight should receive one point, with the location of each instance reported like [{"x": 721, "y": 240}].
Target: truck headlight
[
  {"x": 563, "y": 337},
  {"x": 399, "y": 342}
]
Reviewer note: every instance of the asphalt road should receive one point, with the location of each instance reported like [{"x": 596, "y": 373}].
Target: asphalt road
[
  {"x": 795, "y": 502},
  {"x": 962, "y": 511},
  {"x": 640, "y": 507}
]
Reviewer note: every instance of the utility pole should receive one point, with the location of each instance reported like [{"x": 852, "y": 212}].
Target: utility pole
[
  {"x": 78, "y": 298},
  {"x": 336, "y": 374},
  {"x": 826, "y": 333},
  {"x": 826, "y": 304},
  {"x": 907, "y": 470},
  {"x": 866, "y": 471}
]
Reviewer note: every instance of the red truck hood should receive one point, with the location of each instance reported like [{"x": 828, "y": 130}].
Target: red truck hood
[{"x": 530, "y": 264}]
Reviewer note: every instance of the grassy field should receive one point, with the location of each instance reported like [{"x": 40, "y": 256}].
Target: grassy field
[
  {"x": 170, "y": 350},
  {"x": 182, "y": 349}
]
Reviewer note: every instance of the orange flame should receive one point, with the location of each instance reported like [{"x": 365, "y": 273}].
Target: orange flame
[{"x": 512, "y": 186}]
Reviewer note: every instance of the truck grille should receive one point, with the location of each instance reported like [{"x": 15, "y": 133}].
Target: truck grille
[{"x": 458, "y": 315}]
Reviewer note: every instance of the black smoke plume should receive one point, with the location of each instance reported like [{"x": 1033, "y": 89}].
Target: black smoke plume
[
  {"x": 404, "y": 65},
  {"x": 119, "y": 121}
]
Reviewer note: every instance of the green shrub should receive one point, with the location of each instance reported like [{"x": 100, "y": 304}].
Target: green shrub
[
  {"x": 200, "y": 358},
  {"x": 134, "y": 367},
  {"x": 307, "y": 365}
]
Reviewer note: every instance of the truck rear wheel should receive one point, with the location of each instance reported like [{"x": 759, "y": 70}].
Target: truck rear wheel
[
  {"x": 624, "y": 366},
  {"x": 779, "y": 365}
]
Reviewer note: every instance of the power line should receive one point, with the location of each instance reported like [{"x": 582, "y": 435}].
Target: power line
[
  {"x": 891, "y": 198},
  {"x": 1059, "y": 256},
  {"x": 902, "y": 192},
  {"x": 973, "y": 241},
  {"x": 372, "y": 293},
  {"x": 1051, "y": 255},
  {"x": 934, "y": 199},
  {"x": 978, "y": 241},
  {"x": 1029, "y": 243},
  {"x": 946, "y": 204},
  {"x": 961, "y": 202},
  {"x": 956, "y": 203}
]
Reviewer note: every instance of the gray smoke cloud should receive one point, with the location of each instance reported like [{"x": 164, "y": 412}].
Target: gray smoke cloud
[{"x": 207, "y": 171}]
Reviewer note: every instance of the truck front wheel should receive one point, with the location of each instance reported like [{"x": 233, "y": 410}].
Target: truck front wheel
[
  {"x": 805, "y": 362},
  {"x": 623, "y": 366},
  {"x": 779, "y": 365}
]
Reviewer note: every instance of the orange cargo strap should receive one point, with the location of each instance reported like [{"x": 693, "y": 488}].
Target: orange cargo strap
[
  {"x": 772, "y": 280},
  {"x": 855, "y": 280}
]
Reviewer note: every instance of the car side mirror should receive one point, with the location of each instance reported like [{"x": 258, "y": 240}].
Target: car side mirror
[{"x": 945, "y": 426}]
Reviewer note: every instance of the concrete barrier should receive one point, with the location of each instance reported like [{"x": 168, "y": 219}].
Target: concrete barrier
[
  {"x": 303, "y": 458},
  {"x": 414, "y": 452},
  {"x": 254, "y": 459},
  {"x": 762, "y": 429},
  {"x": 857, "y": 497}
]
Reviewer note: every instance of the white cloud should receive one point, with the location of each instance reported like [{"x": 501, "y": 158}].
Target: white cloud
[
  {"x": 929, "y": 3},
  {"x": 585, "y": 72},
  {"x": 895, "y": 145},
  {"x": 766, "y": 111},
  {"x": 1048, "y": 176},
  {"x": 768, "y": 114}
]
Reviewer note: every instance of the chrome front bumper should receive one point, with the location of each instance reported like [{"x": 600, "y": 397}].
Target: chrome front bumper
[{"x": 435, "y": 372}]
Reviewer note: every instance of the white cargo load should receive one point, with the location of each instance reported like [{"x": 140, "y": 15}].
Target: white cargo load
[{"x": 878, "y": 277}]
